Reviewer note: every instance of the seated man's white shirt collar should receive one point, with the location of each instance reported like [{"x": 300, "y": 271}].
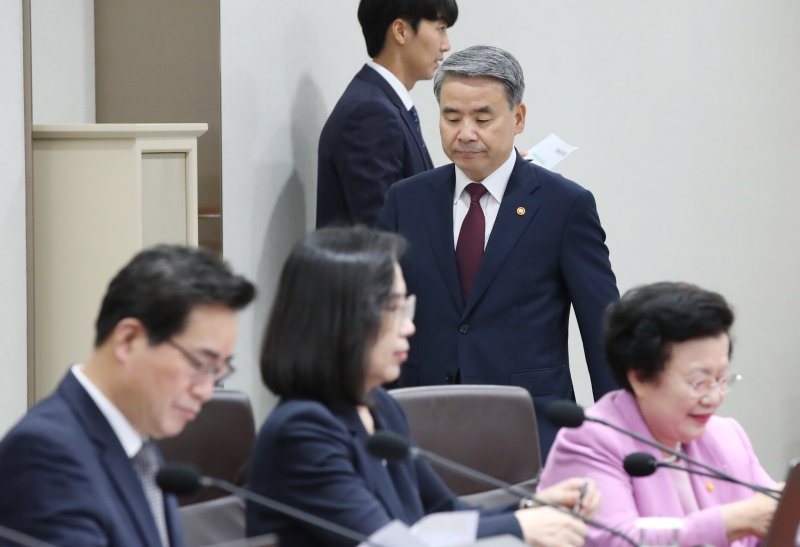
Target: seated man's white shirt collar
[
  {"x": 396, "y": 84},
  {"x": 495, "y": 184},
  {"x": 128, "y": 437}
]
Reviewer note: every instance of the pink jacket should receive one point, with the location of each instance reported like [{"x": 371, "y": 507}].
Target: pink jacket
[{"x": 597, "y": 452}]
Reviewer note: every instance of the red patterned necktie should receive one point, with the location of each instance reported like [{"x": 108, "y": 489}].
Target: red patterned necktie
[{"x": 469, "y": 249}]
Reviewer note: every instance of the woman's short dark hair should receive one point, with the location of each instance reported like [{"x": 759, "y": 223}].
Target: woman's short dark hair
[
  {"x": 327, "y": 313},
  {"x": 641, "y": 328},
  {"x": 375, "y": 16},
  {"x": 161, "y": 285}
]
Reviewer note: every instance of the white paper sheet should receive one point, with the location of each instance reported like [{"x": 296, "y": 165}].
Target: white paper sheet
[
  {"x": 550, "y": 151},
  {"x": 436, "y": 530}
]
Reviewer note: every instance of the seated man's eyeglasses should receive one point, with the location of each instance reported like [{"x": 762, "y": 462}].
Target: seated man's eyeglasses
[{"x": 217, "y": 370}]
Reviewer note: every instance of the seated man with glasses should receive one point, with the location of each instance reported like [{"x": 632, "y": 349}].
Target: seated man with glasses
[
  {"x": 668, "y": 345},
  {"x": 79, "y": 468}
]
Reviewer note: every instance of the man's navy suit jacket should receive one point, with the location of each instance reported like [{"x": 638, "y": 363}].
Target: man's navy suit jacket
[
  {"x": 546, "y": 251},
  {"x": 369, "y": 142},
  {"x": 65, "y": 478}
]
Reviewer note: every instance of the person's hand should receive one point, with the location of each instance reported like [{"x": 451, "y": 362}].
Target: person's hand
[
  {"x": 548, "y": 527},
  {"x": 751, "y": 516},
  {"x": 576, "y": 493}
]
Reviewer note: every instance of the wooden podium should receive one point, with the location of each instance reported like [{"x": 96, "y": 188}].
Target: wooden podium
[{"x": 101, "y": 192}]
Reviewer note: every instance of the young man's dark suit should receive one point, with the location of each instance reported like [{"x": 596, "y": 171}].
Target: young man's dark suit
[
  {"x": 369, "y": 142},
  {"x": 66, "y": 479},
  {"x": 546, "y": 251}
]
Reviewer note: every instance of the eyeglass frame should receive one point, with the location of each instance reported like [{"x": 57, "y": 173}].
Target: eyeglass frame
[
  {"x": 722, "y": 384},
  {"x": 406, "y": 310},
  {"x": 200, "y": 369}
]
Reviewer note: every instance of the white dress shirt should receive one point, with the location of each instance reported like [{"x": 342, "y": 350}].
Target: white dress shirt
[
  {"x": 490, "y": 202},
  {"x": 128, "y": 437},
  {"x": 396, "y": 84}
]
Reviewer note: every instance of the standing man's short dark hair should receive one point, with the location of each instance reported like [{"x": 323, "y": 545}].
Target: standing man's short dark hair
[
  {"x": 373, "y": 136},
  {"x": 78, "y": 469},
  {"x": 375, "y": 17},
  {"x": 500, "y": 250}
]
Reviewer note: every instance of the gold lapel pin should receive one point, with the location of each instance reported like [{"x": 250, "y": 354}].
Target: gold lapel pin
[
  {"x": 520, "y": 211},
  {"x": 710, "y": 486}
]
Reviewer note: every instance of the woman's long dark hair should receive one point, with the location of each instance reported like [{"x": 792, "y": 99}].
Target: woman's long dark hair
[{"x": 327, "y": 312}]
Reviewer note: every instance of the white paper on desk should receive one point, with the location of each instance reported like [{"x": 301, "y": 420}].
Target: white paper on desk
[
  {"x": 394, "y": 534},
  {"x": 550, "y": 151},
  {"x": 447, "y": 529},
  {"x": 436, "y": 530}
]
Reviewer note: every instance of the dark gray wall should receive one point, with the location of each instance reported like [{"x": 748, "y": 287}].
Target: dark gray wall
[{"x": 159, "y": 62}]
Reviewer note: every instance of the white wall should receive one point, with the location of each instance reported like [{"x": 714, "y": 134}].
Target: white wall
[
  {"x": 686, "y": 114},
  {"x": 280, "y": 79},
  {"x": 13, "y": 329},
  {"x": 62, "y": 61}
]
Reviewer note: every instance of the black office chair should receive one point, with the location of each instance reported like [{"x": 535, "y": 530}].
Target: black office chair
[
  {"x": 219, "y": 522},
  {"x": 486, "y": 427},
  {"x": 218, "y": 442}
]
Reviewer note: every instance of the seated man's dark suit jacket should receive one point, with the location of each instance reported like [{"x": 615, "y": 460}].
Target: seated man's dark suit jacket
[
  {"x": 369, "y": 142},
  {"x": 546, "y": 251},
  {"x": 65, "y": 478},
  {"x": 314, "y": 458}
]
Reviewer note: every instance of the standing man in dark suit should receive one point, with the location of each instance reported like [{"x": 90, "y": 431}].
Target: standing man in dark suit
[
  {"x": 498, "y": 248},
  {"x": 372, "y": 138},
  {"x": 79, "y": 468}
]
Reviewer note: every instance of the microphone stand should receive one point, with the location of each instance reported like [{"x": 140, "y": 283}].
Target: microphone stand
[
  {"x": 715, "y": 473},
  {"x": 464, "y": 471},
  {"x": 285, "y": 509}
]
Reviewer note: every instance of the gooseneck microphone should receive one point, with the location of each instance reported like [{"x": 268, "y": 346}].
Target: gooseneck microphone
[
  {"x": 642, "y": 464},
  {"x": 185, "y": 479},
  {"x": 570, "y": 414},
  {"x": 389, "y": 445}
]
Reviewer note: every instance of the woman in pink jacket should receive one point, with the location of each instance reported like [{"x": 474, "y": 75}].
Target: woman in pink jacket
[{"x": 668, "y": 345}]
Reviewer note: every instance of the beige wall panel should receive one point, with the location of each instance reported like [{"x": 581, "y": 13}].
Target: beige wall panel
[
  {"x": 164, "y": 199},
  {"x": 76, "y": 215},
  {"x": 101, "y": 193}
]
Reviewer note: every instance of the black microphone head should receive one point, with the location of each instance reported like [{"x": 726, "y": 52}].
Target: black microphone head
[
  {"x": 182, "y": 479},
  {"x": 640, "y": 464},
  {"x": 565, "y": 414},
  {"x": 388, "y": 445}
]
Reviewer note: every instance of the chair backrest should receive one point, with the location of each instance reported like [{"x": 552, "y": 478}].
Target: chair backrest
[
  {"x": 219, "y": 522},
  {"x": 218, "y": 442},
  {"x": 486, "y": 427}
]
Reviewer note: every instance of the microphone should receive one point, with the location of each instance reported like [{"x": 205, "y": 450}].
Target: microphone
[
  {"x": 642, "y": 464},
  {"x": 570, "y": 414},
  {"x": 389, "y": 445},
  {"x": 19, "y": 538},
  {"x": 185, "y": 479}
]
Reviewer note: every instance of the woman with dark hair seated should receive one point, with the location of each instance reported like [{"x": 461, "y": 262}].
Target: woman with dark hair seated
[
  {"x": 668, "y": 345},
  {"x": 338, "y": 330}
]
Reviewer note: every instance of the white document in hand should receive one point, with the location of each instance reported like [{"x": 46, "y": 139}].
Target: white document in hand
[
  {"x": 550, "y": 152},
  {"x": 436, "y": 530}
]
